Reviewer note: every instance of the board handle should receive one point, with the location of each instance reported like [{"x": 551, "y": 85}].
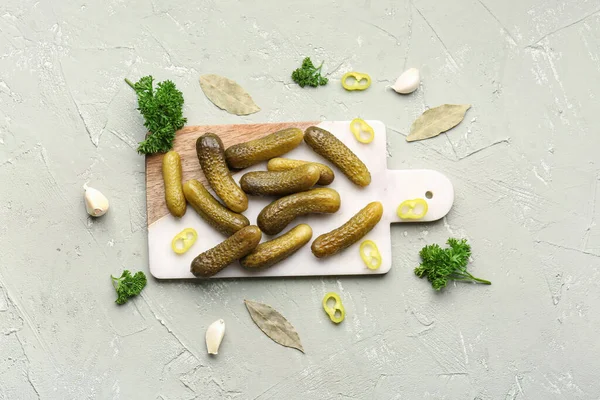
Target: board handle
[{"x": 417, "y": 189}]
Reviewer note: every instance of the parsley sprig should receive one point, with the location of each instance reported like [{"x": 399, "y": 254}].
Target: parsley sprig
[
  {"x": 163, "y": 113},
  {"x": 128, "y": 285},
  {"x": 442, "y": 265},
  {"x": 309, "y": 75}
]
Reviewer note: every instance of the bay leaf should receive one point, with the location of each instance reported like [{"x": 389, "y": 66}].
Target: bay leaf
[
  {"x": 274, "y": 325},
  {"x": 227, "y": 95},
  {"x": 437, "y": 120}
]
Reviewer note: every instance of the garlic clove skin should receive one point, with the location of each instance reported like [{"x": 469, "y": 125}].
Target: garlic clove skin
[
  {"x": 214, "y": 336},
  {"x": 408, "y": 82},
  {"x": 96, "y": 204}
]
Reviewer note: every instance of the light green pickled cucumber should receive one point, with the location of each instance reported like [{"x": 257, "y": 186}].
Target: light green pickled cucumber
[
  {"x": 277, "y": 215},
  {"x": 284, "y": 164},
  {"x": 212, "y": 160},
  {"x": 233, "y": 248},
  {"x": 270, "y": 253},
  {"x": 351, "y": 232},
  {"x": 219, "y": 217},
  {"x": 172, "y": 175},
  {"x": 246, "y": 154},
  {"x": 270, "y": 183},
  {"x": 327, "y": 145}
]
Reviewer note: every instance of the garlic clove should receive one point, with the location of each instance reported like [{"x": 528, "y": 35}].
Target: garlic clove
[
  {"x": 214, "y": 336},
  {"x": 408, "y": 82},
  {"x": 96, "y": 204}
]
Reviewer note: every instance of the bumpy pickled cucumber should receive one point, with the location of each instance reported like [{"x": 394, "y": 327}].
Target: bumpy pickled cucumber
[
  {"x": 234, "y": 247},
  {"x": 172, "y": 174},
  {"x": 330, "y": 147},
  {"x": 352, "y": 231},
  {"x": 212, "y": 160},
  {"x": 271, "y": 183},
  {"x": 283, "y": 164},
  {"x": 219, "y": 217},
  {"x": 246, "y": 154},
  {"x": 270, "y": 253},
  {"x": 277, "y": 215}
]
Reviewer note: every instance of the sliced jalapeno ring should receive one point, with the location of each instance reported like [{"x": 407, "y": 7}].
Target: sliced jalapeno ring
[
  {"x": 337, "y": 312},
  {"x": 360, "y": 128},
  {"x": 184, "y": 240},
  {"x": 370, "y": 254},
  {"x": 412, "y": 209},
  {"x": 361, "y": 81}
]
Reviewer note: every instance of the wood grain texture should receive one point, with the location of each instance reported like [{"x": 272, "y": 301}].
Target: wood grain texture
[{"x": 185, "y": 145}]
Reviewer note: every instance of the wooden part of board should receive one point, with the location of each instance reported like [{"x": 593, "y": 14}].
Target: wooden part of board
[{"x": 185, "y": 145}]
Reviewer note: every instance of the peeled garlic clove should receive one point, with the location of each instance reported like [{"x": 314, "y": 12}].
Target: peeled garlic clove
[
  {"x": 214, "y": 336},
  {"x": 408, "y": 82},
  {"x": 96, "y": 203}
]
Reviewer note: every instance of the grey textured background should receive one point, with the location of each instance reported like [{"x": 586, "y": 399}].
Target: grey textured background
[{"x": 524, "y": 164}]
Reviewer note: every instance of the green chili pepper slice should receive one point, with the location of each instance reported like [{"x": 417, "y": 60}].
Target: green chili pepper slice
[
  {"x": 358, "y": 127},
  {"x": 362, "y": 81},
  {"x": 187, "y": 238},
  {"x": 337, "y": 312},
  {"x": 412, "y": 209},
  {"x": 370, "y": 254}
]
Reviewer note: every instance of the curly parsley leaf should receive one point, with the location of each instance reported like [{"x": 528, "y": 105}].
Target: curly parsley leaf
[
  {"x": 162, "y": 110},
  {"x": 442, "y": 265},
  {"x": 309, "y": 75},
  {"x": 128, "y": 285}
]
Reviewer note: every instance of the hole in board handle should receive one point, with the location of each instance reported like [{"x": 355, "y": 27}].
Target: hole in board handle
[{"x": 429, "y": 194}]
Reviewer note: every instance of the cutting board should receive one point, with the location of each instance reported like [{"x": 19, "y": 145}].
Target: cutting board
[{"x": 390, "y": 187}]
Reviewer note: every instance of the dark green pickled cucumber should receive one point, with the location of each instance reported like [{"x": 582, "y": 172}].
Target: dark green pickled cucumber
[
  {"x": 351, "y": 232},
  {"x": 270, "y": 253},
  {"x": 284, "y": 164},
  {"x": 246, "y": 154},
  {"x": 233, "y": 248},
  {"x": 270, "y": 183},
  {"x": 172, "y": 175},
  {"x": 212, "y": 160},
  {"x": 219, "y": 217},
  {"x": 277, "y": 215},
  {"x": 328, "y": 146}
]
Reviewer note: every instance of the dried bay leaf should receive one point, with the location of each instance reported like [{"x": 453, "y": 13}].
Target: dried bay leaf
[
  {"x": 274, "y": 325},
  {"x": 437, "y": 120},
  {"x": 227, "y": 95}
]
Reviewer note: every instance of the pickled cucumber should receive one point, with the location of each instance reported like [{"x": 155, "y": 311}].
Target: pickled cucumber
[
  {"x": 277, "y": 215},
  {"x": 283, "y": 164},
  {"x": 270, "y": 253},
  {"x": 234, "y": 247},
  {"x": 271, "y": 183},
  {"x": 244, "y": 155},
  {"x": 330, "y": 147},
  {"x": 212, "y": 160},
  {"x": 352, "y": 231},
  {"x": 219, "y": 217},
  {"x": 172, "y": 174}
]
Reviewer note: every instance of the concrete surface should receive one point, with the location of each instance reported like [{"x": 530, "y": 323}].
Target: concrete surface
[{"x": 524, "y": 164}]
